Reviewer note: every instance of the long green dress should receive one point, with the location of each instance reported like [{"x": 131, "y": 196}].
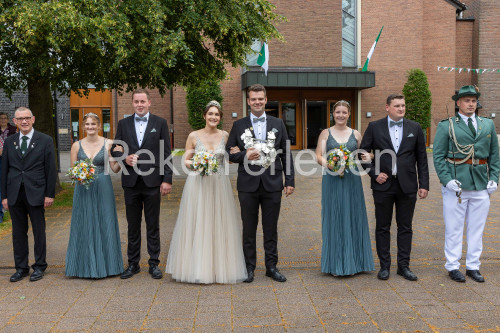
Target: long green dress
[
  {"x": 346, "y": 238},
  {"x": 94, "y": 249}
]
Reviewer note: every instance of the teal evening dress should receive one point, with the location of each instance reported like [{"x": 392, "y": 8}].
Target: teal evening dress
[
  {"x": 346, "y": 238},
  {"x": 94, "y": 249}
]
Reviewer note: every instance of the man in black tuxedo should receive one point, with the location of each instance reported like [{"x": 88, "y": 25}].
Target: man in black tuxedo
[
  {"x": 400, "y": 153},
  {"x": 258, "y": 185},
  {"x": 28, "y": 187},
  {"x": 144, "y": 140}
]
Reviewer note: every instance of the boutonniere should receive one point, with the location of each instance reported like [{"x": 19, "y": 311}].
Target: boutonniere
[
  {"x": 411, "y": 135},
  {"x": 15, "y": 144},
  {"x": 32, "y": 145},
  {"x": 251, "y": 128},
  {"x": 153, "y": 130}
]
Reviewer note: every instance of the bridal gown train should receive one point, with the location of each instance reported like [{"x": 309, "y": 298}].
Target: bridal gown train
[{"x": 206, "y": 245}]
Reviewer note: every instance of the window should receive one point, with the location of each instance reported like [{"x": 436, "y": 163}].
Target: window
[{"x": 349, "y": 33}]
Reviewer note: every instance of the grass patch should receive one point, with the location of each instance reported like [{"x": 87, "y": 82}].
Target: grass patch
[
  {"x": 178, "y": 152},
  {"x": 6, "y": 225},
  {"x": 65, "y": 197}
]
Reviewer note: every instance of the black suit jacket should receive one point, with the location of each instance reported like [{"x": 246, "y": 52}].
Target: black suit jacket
[
  {"x": 272, "y": 177},
  {"x": 156, "y": 140},
  {"x": 410, "y": 158},
  {"x": 36, "y": 169}
]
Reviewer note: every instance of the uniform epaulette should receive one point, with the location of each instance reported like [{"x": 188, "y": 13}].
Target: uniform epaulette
[{"x": 446, "y": 119}]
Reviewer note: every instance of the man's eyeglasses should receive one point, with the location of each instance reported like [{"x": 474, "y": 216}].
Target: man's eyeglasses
[{"x": 24, "y": 119}]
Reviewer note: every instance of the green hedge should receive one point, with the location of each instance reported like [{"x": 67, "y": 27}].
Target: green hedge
[
  {"x": 418, "y": 98},
  {"x": 197, "y": 98}
]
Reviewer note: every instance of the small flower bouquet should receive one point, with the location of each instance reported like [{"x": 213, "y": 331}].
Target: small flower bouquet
[
  {"x": 205, "y": 163},
  {"x": 340, "y": 160},
  {"x": 82, "y": 172}
]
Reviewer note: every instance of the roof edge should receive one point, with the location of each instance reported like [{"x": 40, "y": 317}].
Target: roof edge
[{"x": 457, "y": 4}]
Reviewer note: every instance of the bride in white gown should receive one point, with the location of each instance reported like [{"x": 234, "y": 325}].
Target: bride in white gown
[{"x": 206, "y": 245}]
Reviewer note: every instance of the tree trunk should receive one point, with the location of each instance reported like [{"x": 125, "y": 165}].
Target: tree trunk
[{"x": 41, "y": 104}]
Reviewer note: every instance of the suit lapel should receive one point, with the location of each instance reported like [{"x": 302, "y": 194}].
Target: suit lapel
[
  {"x": 17, "y": 145},
  {"x": 480, "y": 124},
  {"x": 149, "y": 127},
  {"x": 269, "y": 125},
  {"x": 131, "y": 128},
  {"x": 33, "y": 143},
  {"x": 463, "y": 126},
  {"x": 250, "y": 126},
  {"x": 406, "y": 131},
  {"x": 385, "y": 132}
]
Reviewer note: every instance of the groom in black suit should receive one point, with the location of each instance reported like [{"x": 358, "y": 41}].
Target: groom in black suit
[
  {"x": 400, "y": 154},
  {"x": 28, "y": 187},
  {"x": 258, "y": 185},
  {"x": 143, "y": 141}
]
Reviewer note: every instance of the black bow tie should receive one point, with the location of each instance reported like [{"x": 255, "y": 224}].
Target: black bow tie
[{"x": 255, "y": 120}]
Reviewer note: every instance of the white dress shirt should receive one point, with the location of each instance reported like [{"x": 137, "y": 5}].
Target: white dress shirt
[
  {"x": 29, "y": 135},
  {"x": 259, "y": 127},
  {"x": 140, "y": 128},
  {"x": 396, "y": 133},
  {"x": 466, "y": 119}
]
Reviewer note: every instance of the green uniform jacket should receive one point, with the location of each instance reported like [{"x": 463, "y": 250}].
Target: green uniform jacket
[{"x": 472, "y": 177}]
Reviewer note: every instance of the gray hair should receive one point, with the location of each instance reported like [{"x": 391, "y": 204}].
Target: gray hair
[{"x": 22, "y": 108}]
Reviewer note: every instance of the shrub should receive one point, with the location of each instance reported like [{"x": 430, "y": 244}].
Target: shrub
[
  {"x": 197, "y": 98},
  {"x": 418, "y": 98}
]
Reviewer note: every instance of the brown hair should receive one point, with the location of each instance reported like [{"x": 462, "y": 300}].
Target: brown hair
[
  {"x": 256, "y": 87},
  {"x": 342, "y": 103},
  {"x": 215, "y": 104},
  {"x": 394, "y": 96},
  {"x": 93, "y": 116},
  {"x": 141, "y": 91}
]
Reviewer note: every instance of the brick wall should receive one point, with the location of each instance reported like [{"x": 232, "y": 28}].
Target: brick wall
[
  {"x": 489, "y": 55},
  {"x": 313, "y": 34},
  {"x": 464, "y": 50}
]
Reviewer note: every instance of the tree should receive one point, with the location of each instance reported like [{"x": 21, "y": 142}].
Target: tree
[
  {"x": 418, "y": 98},
  {"x": 70, "y": 44},
  {"x": 197, "y": 98}
]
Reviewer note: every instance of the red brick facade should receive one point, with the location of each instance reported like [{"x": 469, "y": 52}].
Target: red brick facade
[{"x": 417, "y": 34}]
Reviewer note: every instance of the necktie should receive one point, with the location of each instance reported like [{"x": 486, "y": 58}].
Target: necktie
[
  {"x": 471, "y": 127},
  {"x": 141, "y": 119},
  {"x": 255, "y": 120},
  {"x": 24, "y": 144},
  {"x": 396, "y": 123}
]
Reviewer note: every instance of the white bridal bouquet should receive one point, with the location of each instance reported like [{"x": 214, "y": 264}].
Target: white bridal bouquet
[
  {"x": 265, "y": 147},
  {"x": 205, "y": 163}
]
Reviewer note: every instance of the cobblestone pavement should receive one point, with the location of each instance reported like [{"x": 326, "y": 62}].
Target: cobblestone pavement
[{"x": 308, "y": 302}]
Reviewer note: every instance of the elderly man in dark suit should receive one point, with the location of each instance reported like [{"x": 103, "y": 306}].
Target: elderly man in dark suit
[
  {"x": 400, "y": 155},
  {"x": 145, "y": 143},
  {"x": 28, "y": 187}
]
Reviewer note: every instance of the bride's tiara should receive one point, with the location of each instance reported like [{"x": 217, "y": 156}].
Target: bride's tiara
[{"x": 213, "y": 103}]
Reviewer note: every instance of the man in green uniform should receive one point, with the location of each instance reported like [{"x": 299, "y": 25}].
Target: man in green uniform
[{"x": 467, "y": 163}]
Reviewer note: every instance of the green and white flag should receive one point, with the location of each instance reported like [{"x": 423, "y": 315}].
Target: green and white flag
[
  {"x": 263, "y": 60},
  {"x": 365, "y": 67}
]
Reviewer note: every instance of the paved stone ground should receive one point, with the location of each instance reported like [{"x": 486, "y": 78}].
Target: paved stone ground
[{"x": 308, "y": 302}]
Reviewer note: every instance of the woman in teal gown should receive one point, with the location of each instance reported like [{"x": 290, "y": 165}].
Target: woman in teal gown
[
  {"x": 94, "y": 249},
  {"x": 346, "y": 246}
]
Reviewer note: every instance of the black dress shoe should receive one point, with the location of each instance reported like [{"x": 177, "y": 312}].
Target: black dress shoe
[
  {"x": 130, "y": 271},
  {"x": 456, "y": 275},
  {"x": 19, "y": 275},
  {"x": 155, "y": 272},
  {"x": 249, "y": 278},
  {"x": 474, "y": 275},
  {"x": 275, "y": 274},
  {"x": 383, "y": 274},
  {"x": 36, "y": 275},
  {"x": 407, "y": 274}
]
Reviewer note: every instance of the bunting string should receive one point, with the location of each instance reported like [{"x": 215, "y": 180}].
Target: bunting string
[{"x": 468, "y": 70}]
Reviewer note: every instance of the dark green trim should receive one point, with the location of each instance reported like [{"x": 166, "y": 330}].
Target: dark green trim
[{"x": 309, "y": 79}]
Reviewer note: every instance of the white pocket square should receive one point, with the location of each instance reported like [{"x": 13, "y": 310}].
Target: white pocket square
[
  {"x": 411, "y": 135},
  {"x": 153, "y": 130}
]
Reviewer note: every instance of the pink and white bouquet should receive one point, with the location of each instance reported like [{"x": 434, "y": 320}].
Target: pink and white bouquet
[
  {"x": 205, "y": 163},
  {"x": 82, "y": 172}
]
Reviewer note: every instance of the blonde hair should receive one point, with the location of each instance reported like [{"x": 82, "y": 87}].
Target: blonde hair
[
  {"x": 342, "y": 103},
  {"x": 93, "y": 116}
]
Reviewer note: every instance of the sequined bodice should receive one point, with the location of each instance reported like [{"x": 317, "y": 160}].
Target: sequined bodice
[
  {"x": 351, "y": 144},
  {"x": 219, "y": 151},
  {"x": 98, "y": 158}
]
